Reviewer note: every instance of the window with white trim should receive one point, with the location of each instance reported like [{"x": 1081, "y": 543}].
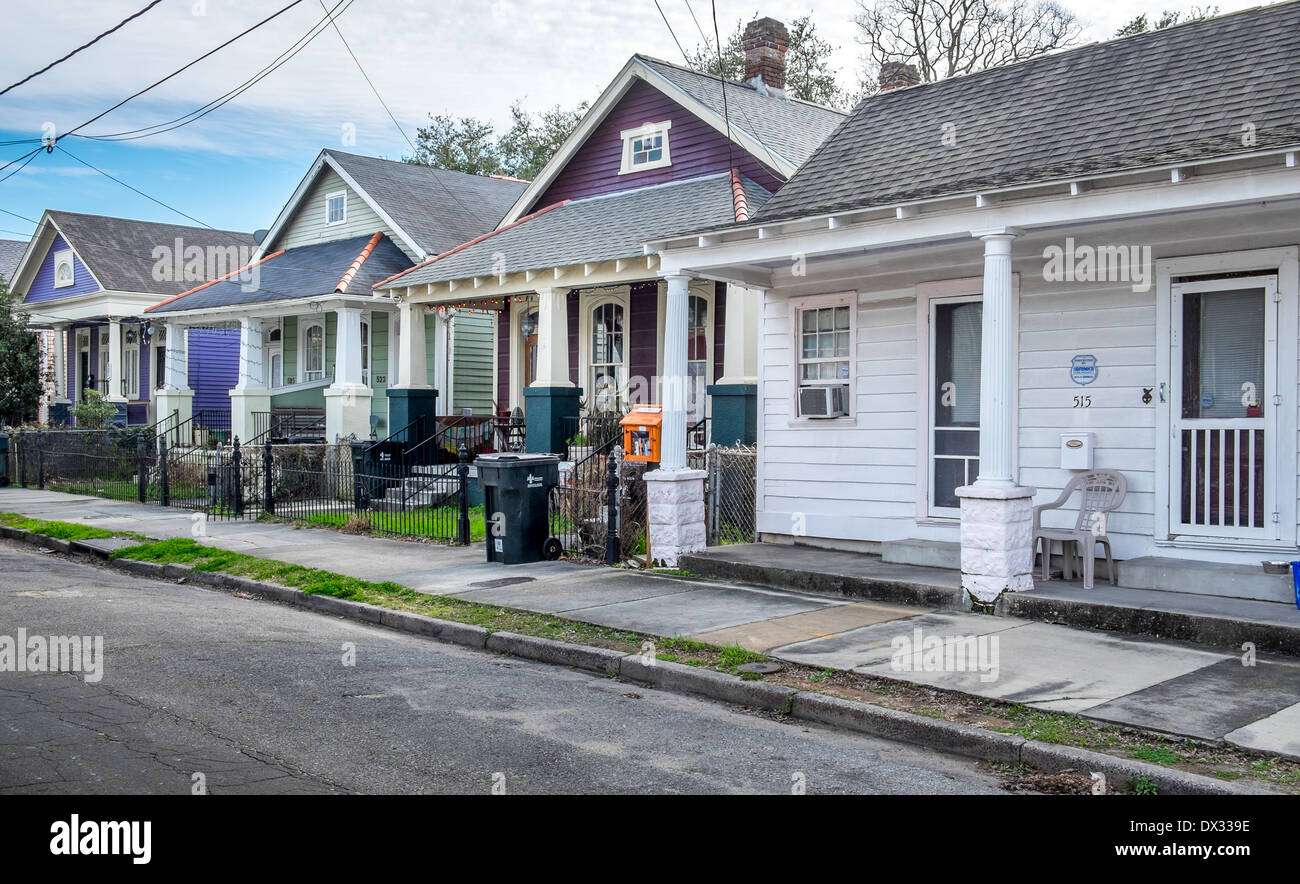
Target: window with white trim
[
  {"x": 365, "y": 352},
  {"x": 313, "y": 351},
  {"x": 608, "y": 358},
  {"x": 336, "y": 207},
  {"x": 64, "y": 273},
  {"x": 697, "y": 357},
  {"x": 130, "y": 364},
  {"x": 645, "y": 147},
  {"x": 824, "y": 340}
]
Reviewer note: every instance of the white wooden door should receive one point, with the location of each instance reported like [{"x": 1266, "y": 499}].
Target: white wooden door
[{"x": 1224, "y": 407}]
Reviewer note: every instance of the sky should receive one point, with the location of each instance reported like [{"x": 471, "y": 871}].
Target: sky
[{"x": 235, "y": 167}]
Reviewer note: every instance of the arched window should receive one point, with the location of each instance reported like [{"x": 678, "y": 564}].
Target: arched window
[
  {"x": 313, "y": 351},
  {"x": 608, "y": 355},
  {"x": 273, "y": 358}
]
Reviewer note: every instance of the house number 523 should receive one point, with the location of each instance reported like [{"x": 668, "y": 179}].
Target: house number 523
[{"x": 1083, "y": 402}]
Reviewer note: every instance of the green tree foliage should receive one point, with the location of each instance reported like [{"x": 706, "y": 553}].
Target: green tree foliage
[
  {"x": 468, "y": 144},
  {"x": 22, "y": 378},
  {"x": 94, "y": 411},
  {"x": 808, "y": 72},
  {"x": 1139, "y": 24}
]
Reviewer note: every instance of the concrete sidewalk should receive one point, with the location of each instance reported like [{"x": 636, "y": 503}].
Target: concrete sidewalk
[{"x": 1163, "y": 685}]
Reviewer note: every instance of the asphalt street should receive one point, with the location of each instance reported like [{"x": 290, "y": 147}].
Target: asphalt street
[{"x": 201, "y": 688}]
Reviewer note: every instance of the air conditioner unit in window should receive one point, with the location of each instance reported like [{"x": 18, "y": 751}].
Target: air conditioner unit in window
[{"x": 824, "y": 402}]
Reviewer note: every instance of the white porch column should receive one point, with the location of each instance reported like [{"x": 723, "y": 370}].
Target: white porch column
[
  {"x": 347, "y": 399},
  {"x": 441, "y": 357},
  {"x": 996, "y": 513},
  {"x": 673, "y": 435},
  {"x": 115, "y": 367},
  {"x": 60, "y": 356},
  {"x": 412, "y": 364},
  {"x": 552, "y": 339},
  {"x": 250, "y": 396},
  {"x": 674, "y": 494},
  {"x": 176, "y": 395},
  {"x": 740, "y": 338}
]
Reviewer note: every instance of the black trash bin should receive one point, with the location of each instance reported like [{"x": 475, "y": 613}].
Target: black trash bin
[
  {"x": 4, "y": 459},
  {"x": 516, "y": 504}
]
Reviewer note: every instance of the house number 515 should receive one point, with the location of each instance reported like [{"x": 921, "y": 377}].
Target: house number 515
[{"x": 1083, "y": 402}]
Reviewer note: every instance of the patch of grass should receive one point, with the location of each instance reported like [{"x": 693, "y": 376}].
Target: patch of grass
[
  {"x": 1157, "y": 754},
  {"x": 822, "y": 676},
  {"x": 61, "y": 530},
  {"x": 435, "y": 522},
  {"x": 732, "y": 656},
  {"x": 1143, "y": 786},
  {"x": 672, "y": 572}
]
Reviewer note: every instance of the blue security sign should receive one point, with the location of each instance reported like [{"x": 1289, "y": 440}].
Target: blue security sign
[{"x": 1083, "y": 369}]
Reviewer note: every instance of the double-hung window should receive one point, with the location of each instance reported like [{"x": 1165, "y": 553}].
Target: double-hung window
[
  {"x": 336, "y": 207},
  {"x": 824, "y": 339},
  {"x": 313, "y": 352}
]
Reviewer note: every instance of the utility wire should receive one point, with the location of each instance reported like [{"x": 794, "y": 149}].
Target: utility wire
[
  {"x": 185, "y": 67},
  {"x": 673, "y": 33},
  {"x": 722, "y": 84},
  {"x": 198, "y": 113},
  {"x": 135, "y": 189},
  {"x": 59, "y": 61},
  {"x": 415, "y": 150}
]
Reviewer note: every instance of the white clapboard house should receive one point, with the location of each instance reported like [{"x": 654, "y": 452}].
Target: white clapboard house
[{"x": 977, "y": 288}]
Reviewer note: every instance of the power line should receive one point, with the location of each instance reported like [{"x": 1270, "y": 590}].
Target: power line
[
  {"x": 198, "y": 113},
  {"x": 402, "y": 131},
  {"x": 691, "y": 9},
  {"x": 185, "y": 67},
  {"x": 722, "y": 83},
  {"x": 136, "y": 189},
  {"x": 58, "y": 61},
  {"x": 31, "y": 155},
  {"x": 23, "y": 217},
  {"x": 673, "y": 33}
]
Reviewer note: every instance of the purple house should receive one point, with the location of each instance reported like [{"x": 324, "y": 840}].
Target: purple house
[
  {"x": 89, "y": 278},
  {"x": 582, "y": 311}
]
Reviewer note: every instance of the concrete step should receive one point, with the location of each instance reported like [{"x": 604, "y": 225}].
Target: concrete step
[
  {"x": 923, "y": 553},
  {"x": 1206, "y": 578}
]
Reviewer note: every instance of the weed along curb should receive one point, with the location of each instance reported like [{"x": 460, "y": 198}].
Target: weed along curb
[{"x": 818, "y": 708}]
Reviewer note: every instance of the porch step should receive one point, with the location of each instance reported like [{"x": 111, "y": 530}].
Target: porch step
[
  {"x": 923, "y": 553},
  {"x": 1206, "y": 578}
]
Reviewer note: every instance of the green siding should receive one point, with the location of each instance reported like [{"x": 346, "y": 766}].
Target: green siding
[
  {"x": 314, "y": 396},
  {"x": 472, "y": 361},
  {"x": 379, "y": 369}
]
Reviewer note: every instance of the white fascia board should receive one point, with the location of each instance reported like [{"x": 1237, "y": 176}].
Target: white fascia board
[
  {"x": 47, "y": 223},
  {"x": 92, "y": 306},
  {"x": 556, "y": 164},
  {"x": 378, "y": 209},
  {"x": 1197, "y": 193},
  {"x": 1074, "y": 185},
  {"x": 289, "y": 208},
  {"x": 283, "y": 307}
]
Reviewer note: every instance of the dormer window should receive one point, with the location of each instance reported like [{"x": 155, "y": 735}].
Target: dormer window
[
  {"x": 63, "y": 272},
  {"x": 336, "y": 208},
  {"x": 646, "y": 147}
]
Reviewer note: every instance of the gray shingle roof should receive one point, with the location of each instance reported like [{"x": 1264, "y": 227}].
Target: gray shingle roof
[
  {"x": 304, "y": 272},
  {"x": 437, "y": 208},
  {"x": 601, "y": 228},
  {"x": 1163, "y": 97},
  {"x": 119, "y": 251},
  {"x": 792, "y": 129},
  {"x": 11, "y": 252}
]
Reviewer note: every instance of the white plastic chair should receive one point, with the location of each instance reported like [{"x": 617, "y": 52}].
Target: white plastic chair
[{"x": 1102, "y": 492}]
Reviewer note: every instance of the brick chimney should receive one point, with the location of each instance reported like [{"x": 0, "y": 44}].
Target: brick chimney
[
  {"x": 897, "y": 75},
  {"x": 766, "y": 41}
]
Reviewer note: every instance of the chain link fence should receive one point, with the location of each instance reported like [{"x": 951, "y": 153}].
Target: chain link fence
[{"x": 730, "y": 492}]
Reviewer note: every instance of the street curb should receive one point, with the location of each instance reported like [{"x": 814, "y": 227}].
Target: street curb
[
  {"x": 545, "y": 650},
  {"x": 707, "y": 683},
  {"x": 891, "y": 724}
]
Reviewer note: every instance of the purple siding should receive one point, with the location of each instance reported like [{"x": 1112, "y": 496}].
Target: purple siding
[
  {"x": 42, "y": 287},
  {"x": 719, "y": 324},
  {"x": 145, "y": 365},
  {"x": 137, "y": 414},
  {"x": 214, "y": 366},
  {"x": 643, "y": 332},
  {"x": 503, "y": 360},
  {"x": 571, "y": 302},
  {"x": 696, "y": 149}
]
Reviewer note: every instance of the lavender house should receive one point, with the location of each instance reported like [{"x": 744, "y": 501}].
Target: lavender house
[
  {"x": 581, "y": 309},
  {"x": 88, "y": 279}
]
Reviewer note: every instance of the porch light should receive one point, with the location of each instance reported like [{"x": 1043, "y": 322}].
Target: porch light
[{"x": 528, "y": 325}]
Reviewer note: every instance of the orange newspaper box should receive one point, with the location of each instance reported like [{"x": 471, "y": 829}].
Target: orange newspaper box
[{"x": 641, "y": 433}]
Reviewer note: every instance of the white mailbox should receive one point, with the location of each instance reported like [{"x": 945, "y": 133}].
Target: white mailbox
[{"x": 1076, "y": 451}]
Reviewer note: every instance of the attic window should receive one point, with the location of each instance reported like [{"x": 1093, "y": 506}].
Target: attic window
[
  {"x": 645, "y": 147},
  {"x": 336, "y": 208},
  {"x": 63, "y": 273}
]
